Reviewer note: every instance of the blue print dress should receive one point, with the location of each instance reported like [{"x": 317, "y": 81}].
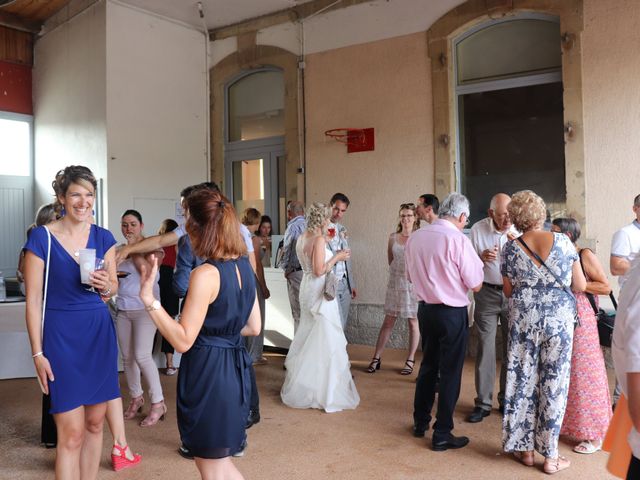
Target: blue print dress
[
  {"x": 79, "y": 337},
  {"x": 541, "y": 324},
  {"x": 214, "y": 384}
]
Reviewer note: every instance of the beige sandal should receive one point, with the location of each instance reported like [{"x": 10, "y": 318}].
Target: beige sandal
[{"x": 555, "y": 465}]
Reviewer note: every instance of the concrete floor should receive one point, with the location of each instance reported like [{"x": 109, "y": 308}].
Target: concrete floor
[{"x": 373, "y": 442}]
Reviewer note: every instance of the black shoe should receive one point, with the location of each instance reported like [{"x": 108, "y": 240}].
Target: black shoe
[
  {"x": 185, "y": 452},
  {"x": 243, "y": 448},
  {"x": 252, "y": 419},
  {"x": 449, "y": 442},
  {"x": 478, "y": 415},
  {"x": 419, "y": 429}
]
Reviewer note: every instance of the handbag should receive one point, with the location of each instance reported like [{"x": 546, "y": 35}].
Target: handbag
[
  {"x": 44, "y": 296},
  {"x": 330, "y": 285},
  {"x": 605, "y": 321},
  {"x": 558, "y": 281}
]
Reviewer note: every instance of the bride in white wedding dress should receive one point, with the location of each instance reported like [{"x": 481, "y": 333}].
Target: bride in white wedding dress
[{"x": 318, "y": 374}]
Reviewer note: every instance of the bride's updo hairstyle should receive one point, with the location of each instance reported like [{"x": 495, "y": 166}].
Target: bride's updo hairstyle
[
  {"x": 213, "y": 227},
  {"x": 77, "y": 174},
  {"x": 316, "y": 214}
]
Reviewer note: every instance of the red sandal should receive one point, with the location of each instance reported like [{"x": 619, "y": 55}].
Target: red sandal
[{"x": 120, "y": 461}]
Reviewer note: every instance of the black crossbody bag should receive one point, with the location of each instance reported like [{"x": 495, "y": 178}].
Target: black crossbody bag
[
  {"x": 605, "y": 321},
  {"x": 558, "y": 281}
]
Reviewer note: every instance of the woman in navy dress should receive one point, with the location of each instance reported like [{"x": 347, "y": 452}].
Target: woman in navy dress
[
  {"x": 220, "y": 307},
  {"x": 76, "y": 355}
]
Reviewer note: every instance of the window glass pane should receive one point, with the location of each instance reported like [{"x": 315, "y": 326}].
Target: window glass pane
[
  {"x": 509, "y": 49},
  {"x": 15, "y": 148},
  {"x": 256, "y": 106},
  {"x": 513, "y": 140},
  {"x": 248, "y": 185}
]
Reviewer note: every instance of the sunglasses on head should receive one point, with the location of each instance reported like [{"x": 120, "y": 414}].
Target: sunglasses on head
[{"x": 409, "y": 206}]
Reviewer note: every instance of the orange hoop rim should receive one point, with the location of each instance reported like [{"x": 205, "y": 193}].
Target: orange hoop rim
[{"x": 350, "y": 136}]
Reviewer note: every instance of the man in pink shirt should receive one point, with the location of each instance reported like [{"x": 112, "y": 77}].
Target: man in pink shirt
[{"x": 443, "y": 266}]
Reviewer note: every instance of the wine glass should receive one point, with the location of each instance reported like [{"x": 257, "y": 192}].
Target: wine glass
[{"x": 98, "y": 264}]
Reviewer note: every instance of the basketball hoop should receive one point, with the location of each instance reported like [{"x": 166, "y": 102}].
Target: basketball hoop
[{"x": 356, "y": 139}]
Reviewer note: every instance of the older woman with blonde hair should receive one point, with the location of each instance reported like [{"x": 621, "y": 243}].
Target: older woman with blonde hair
[
  {"x": 540, "y": 269},
  {"x": 318, "y": 369}
]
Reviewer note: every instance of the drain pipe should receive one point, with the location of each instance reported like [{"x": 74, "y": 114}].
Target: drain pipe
[{"x": 207, "y": 149}]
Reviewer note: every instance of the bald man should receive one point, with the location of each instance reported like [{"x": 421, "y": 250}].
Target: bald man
[{"x": 488, "y": 236}]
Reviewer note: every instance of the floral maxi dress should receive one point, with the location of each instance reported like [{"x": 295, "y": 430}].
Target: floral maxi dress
[{"x": 541, "y": 324}]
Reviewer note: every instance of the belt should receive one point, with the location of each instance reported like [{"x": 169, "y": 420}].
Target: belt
[
  {"x": 491, "y": 285},
  {"x": 297, "y": 269}
]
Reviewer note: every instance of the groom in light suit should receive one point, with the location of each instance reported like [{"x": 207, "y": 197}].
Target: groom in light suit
[{"x": 346, "y": 283}]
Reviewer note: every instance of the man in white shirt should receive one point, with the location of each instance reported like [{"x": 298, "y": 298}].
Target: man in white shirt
[
  {"x": 625, "y": 245},
  {"x": 488, "y": 236},
  {"x": 625, "y": 349}
]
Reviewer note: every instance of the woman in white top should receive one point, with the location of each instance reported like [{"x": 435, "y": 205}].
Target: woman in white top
[{"x": 136, "y": 331}]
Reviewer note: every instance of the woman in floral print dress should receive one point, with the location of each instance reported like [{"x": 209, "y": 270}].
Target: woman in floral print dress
[{"x": 541, "y": 322}]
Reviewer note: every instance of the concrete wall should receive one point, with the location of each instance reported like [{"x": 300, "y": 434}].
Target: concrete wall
[
  {"x": 611, "y": 69},
  {"x": 156, "y": 113},
  {"x": 384, "y": 85},
  {"x": 69, "y": 80}
]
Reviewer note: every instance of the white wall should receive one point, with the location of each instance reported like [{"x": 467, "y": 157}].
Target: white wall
[
  {"x": 70, "y": 99},
  {"x": 156, "y": 113}
]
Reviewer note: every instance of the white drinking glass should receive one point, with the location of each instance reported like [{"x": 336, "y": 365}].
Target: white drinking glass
[{"x": 87, "y": 264}]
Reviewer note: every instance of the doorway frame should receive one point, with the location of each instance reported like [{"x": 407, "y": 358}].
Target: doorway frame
[
  {"x": 470, "y": 14},
  {"x": 493, "y": 85}
]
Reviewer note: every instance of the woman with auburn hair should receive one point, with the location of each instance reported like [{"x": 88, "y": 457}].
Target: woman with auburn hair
[
  {"x": 75, "y": 351},
  {"x": 318, "y": 368},
  {"x": 400, "y": 300},
  {"x": 220, "y": 308},
  {"x": 540, "y": 270},
  {"x": 588, "y": 402}
]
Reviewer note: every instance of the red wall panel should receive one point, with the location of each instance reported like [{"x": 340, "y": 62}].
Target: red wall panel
[{"x": 15, "y": 88}]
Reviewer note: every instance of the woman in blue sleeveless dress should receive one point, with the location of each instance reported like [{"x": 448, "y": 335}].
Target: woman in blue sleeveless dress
[
  {"x": 75, "y": 355},
  {"x": 220, "y": 307}
]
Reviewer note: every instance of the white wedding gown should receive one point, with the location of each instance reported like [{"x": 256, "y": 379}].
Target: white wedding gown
[{"x": 318, "y": 374}]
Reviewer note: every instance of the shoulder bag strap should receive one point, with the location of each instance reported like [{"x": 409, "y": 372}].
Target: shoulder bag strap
[
  {"x": 46, "y": 280},
  {"x": 590, "y": 296},
  {"x": 537, "y": 257}
]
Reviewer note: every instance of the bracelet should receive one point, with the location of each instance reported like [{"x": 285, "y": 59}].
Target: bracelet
[
  {"x": 106, "y": 292},
  {"x": 39, "y": 354}
]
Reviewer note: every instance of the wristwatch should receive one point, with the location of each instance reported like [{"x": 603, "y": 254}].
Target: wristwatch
[{"x": 155, "y": 305}]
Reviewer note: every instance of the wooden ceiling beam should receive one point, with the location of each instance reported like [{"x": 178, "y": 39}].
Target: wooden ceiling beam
[
  {"x": 12, "y": 20},
  {"x": 292, "y": 14}
]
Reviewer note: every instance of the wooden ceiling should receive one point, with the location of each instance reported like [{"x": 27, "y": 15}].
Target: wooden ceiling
[{"x": 28, "y": 15}]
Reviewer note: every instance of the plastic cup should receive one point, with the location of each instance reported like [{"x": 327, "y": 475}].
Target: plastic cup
[{"x": 87, "y": 263}]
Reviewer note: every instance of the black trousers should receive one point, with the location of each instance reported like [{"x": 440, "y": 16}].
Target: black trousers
[
  {"x": 445, "y": 331},
  {"x": 48, "y": 431},
  {"x": 168, "y": 299},
  {"x": 254, "y": 401},
  {"x": 634, "y": 469}
]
